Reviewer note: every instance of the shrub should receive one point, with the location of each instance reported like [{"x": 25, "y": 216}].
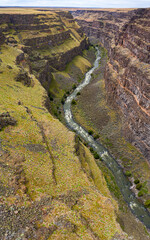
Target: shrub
[
  {"x": 50, "y": 97},
  {"x": 78, "y": 93},
  {"x": 140, "y": 194},
  {"x": 74, "y": 86},
  {"x": 91, "y": 149},
  {"x": 128, "y": 173},
  {"x": 90, "y": 132},
  {"x": 55, "y": 113},
  {"x": 96, "y": 136},
  {"x": 96, "y": 156},
  {"x": 62, "y": 101},
  {"x": 73, "y": 102},
  {"x": 65, "y": 96},
  {"x": 147, "y": 203},
  {"x": 139, "y": 186},
  {"x": 136, "y": 181}
]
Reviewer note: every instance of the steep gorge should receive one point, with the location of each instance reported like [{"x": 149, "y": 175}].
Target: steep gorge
[
  {"x": 125, "y": 34},
  {"x": 51, "y": 186}
]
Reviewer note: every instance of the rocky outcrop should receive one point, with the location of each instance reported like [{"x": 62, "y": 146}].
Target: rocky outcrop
[
  {"x": 6, "y": 120},
  {"x": 2, "y": 38},
  {"x": 127, "y": 76},
  {"x": 24, "y": 77},
  {"x": 49, "y": 40}
]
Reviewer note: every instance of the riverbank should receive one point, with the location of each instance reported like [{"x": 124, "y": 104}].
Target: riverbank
[{"x": 107, "y": 123}]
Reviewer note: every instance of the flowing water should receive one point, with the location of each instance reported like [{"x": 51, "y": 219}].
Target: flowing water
[{"x": 123, "y": 183}]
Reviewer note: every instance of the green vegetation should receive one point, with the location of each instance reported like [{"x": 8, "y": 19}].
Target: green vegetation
[
  {"x": 80, "y": 63},
  {"x": 108, "y": 142},
  {"x": 96, "y": 156},
  {"x": 39, "y": 145},
  {"x": 62, "y": 101},
  {"x": 54, "y": 170},
  {"x": 96, "y": 136},
  {"x": 90, "y": 132},
  {"x": 50, "y": 97},
  {"x": 73, "y": 102},
  {"x": 91, "y": 149},
  {"x": 139, "y": 186},
  {"x": 108, "y": 125},
  {"x": 112, "y": 185},
  {"x": 147, "y": 203},
  {"x": 140, "y": 194},
  {"x": 74, "y": 86},
  {"x": 143, "y": 189},
  {"x": 136, "y": 181},
  {"x": 128, "y": 173},
  {"x": 61, "y": 84}
]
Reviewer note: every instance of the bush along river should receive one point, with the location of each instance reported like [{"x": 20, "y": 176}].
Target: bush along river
[{"x": 123, "y": 183}]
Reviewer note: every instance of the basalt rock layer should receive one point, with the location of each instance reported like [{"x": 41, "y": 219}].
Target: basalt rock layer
[
  {"x": 50, "y": 40},
  {"x": 126, "y": 36}
]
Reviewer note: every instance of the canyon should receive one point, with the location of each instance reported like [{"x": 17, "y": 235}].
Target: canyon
[
  {"x": 126, "y": 35},
  {"x": 51, "y": 186}
]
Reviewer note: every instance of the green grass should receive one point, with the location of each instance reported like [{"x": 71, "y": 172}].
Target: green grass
[
  {"x": 81, "y": 63},
  {"x": 67, "y": 45}
]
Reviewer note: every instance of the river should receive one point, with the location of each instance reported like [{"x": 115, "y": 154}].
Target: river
[{"x": 123, "y": 183}]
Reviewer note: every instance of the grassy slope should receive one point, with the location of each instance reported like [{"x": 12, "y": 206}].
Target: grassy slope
[
  {"x": 63, "y": 82},
  {"x": 38, "y": 165},
  {"x": 46, "y": 186}
]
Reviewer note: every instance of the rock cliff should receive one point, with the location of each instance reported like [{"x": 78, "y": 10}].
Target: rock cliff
[
  {"x": 126, "y": 35},
  {"x": 49, "y": 39},
  {"x": 103, "y": 24}
]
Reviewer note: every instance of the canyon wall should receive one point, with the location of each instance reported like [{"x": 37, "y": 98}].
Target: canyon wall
[
  {"x": 126, "y": 36},
  {"x": 48, "y": 40}
]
